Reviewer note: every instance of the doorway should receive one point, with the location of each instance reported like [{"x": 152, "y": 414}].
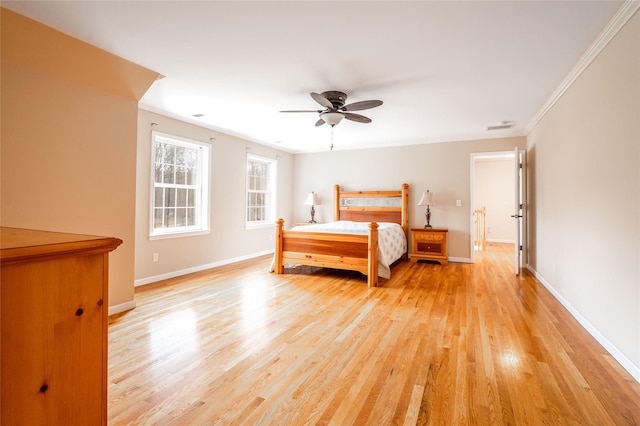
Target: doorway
[{"x": 492, "y": 203}]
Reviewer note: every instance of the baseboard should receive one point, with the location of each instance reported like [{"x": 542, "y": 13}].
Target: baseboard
[
  {"x": 122, "y": 307},
  {"x": 173, "y": 274},
  {"x": 499, "y": 241},
  {"x": 625, "y": 362},
  {"x": 460, "y": 259}
]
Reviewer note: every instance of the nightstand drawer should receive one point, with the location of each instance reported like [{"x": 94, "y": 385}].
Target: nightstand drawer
[
  {"x": 428, "y": 247},
  {"x": 429, "y": 236}
]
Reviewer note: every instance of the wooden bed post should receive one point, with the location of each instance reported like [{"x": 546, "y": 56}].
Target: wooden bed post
[
  {"x": 336, "y": 200},
  {"x": 279, "y": 267},
  {"x": 372, "y": 268},
  {"x": 405, "y": 209}
]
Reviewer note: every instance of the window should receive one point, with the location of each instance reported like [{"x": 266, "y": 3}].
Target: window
[
  {"x": 261, "y": 191},
  {"x": 180, "y": 190}
]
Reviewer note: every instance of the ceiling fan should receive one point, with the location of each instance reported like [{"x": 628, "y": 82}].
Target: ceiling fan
[{"x": 336, "y": 110}]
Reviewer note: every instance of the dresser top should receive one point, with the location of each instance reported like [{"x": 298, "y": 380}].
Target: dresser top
[{"x": 18, "y": 244}]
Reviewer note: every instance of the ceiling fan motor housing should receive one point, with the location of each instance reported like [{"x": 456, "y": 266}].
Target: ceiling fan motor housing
[{"x": 336, "y": 98}]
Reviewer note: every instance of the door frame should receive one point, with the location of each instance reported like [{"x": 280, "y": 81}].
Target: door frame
[{"x": 472, "y": 176}]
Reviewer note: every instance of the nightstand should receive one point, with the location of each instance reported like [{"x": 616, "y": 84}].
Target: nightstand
[{"x": 429, "y": 244}]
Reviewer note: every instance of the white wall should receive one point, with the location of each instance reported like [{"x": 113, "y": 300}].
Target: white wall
[
  {"x": 228, "y": 240},
  {"x": 584, "y": 197},
  {"x": 443, "y": 168}
]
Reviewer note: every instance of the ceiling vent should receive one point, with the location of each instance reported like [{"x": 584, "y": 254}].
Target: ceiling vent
[{"x": 501, "y": 126}]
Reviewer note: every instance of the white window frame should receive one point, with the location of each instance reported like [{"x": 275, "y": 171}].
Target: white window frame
[
  {"x": 201, "y": 187},
  {"x": 270, "y": 192}
]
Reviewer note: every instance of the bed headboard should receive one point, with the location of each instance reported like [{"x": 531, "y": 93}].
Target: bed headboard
[{"x": 373, "y": 206}]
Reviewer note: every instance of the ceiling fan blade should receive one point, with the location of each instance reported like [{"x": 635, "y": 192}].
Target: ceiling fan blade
[
  {"x": 319, "y": 122},
  {"x": 304, "y": 110},
  {"x": 321, "y": 100},
  {"x": 357, "y": 117},
  {"x": 359, "y": 106}
]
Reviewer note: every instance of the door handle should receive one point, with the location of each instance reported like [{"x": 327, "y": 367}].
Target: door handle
[{"x": 516, "y": 216}]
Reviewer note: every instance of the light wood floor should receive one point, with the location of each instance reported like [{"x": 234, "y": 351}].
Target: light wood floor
[{"x": 449, "y": 345}]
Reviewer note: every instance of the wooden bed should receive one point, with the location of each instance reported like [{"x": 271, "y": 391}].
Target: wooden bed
[{"x": 345, "y": 251}]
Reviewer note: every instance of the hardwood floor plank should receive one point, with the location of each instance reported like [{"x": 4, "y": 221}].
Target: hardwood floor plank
[{"x": 455, "y": 344}]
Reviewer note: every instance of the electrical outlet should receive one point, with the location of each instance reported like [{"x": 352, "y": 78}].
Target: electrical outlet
[
  {"x": 458, "y": 203},
  {"x": 156, "y": 257}
]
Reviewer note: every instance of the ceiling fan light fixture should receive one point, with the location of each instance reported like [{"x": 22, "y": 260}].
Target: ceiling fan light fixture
[{"x": 332, "y": 118}]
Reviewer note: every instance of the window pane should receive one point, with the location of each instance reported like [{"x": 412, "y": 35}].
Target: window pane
[
  {"x": 170, "y": 154},
  {"x": 170, "y": 197},
  {"x": 191, "y": 197},
  {"x": 182, "y": 198},
  {"x": 180, "y": 155},
  {"x": 180, "y": 175},
  {"x": 157, "y": 218},
  {"x": 190, "y": 178},
  {"x": 168, "y": 174},
  {"x": 159, "y": 172},
  {"x": 158, "y": 197},
  {"x": 191, "y": 217},
  {"x": 169, "y": 218},
  {"x": 190, "y": 158},
  {"x": 181, "y": 217}
]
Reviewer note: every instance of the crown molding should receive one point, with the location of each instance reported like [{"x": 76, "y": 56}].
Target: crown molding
[{"x": 626, "y": 11}]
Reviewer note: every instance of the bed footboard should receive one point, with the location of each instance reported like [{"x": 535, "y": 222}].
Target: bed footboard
[{"x": 339, "y": 251}]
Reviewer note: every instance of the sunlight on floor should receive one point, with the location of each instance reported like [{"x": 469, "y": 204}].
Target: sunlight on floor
[
  {"x": 254, "y": 302},
  {"x": 174, "y": 333}
]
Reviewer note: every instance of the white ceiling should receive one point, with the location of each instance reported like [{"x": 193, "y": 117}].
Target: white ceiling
[{"x": 445, "y": 70}]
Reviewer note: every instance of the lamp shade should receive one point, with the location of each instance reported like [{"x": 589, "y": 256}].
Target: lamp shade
[
  {"x": 312, "y": 199},
  {"x": 427, "y": 199},
  {"x": 332, "y": 118}
]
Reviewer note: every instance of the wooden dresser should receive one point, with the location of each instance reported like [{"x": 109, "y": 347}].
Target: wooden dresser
[
  {"x": 429, "y": 244},
  {"x": 54, "y": 312}
]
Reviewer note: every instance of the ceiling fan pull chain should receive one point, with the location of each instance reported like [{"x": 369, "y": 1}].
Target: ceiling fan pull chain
[{"x": 332, "y": 138}]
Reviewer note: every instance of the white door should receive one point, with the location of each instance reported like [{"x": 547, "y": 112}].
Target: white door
[{"x": 519, "y": 208}]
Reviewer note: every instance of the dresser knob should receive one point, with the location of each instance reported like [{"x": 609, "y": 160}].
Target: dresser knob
[
  {"x": 79, "y": 312},
  {"x": 100, "y": 302},
  {"x": 44, "y": 388}
]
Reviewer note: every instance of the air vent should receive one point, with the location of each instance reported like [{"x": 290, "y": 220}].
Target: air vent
[{"x": 501, "y": 126}]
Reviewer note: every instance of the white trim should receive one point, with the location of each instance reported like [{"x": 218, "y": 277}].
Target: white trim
[
  {"x": 173, "y": 274},
  {"x": 460, "y": 259},
  {"x": 626, "y": 11},
  {"x": 625, "y": 362},
  {"x": 499, "y": 241},
  {"x": 122, "y": 307}
]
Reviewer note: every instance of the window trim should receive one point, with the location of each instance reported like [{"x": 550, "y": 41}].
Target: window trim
[
  {"x": 272, "y": 193},
  {"x": 203, "y": 206}
]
